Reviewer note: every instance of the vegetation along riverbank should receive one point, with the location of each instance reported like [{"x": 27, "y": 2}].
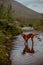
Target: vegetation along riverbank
[{"x": 8, "y": 29}]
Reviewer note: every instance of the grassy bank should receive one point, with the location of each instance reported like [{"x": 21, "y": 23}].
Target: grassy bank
[
  {"x": 8, "y": 29},
  {"x": 6, "y": 46},
  {"x": 6, "y": 38}
]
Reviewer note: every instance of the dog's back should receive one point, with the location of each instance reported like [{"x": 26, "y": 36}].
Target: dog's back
[{"x": 27, "y": 36}]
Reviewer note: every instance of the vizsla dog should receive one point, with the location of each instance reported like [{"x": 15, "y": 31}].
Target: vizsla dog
[{"x": 28, "y": 36}]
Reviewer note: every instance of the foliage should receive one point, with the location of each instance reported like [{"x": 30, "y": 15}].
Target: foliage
[
  {"x": 7, "y": 29},
  {"x": 7, "y": 21}
]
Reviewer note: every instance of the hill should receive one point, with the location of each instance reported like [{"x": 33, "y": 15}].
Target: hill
[{"x": 21, "y": 11}]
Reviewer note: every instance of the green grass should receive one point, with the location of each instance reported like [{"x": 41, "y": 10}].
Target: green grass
[{"x": 4, "y": 56}]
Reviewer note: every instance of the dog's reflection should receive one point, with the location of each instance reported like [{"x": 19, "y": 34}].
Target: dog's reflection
[
  {"x": 28, "y": 50},
  {"x": 26, "y": 37}
]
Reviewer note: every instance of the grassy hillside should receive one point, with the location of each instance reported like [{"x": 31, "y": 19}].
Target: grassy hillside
[{"x": 21, "y": 11}]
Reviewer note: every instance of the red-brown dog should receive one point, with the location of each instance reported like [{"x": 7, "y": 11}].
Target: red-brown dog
[{"x": 28, "y": 36}]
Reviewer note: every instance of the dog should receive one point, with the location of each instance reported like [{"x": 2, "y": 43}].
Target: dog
[{"x": 26, "y": 37}]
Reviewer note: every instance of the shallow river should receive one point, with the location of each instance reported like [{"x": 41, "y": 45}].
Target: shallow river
[{"x": 18, "y": 58}]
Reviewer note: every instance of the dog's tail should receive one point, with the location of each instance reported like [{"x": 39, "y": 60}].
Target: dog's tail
[{"x": 38, "y": 37}]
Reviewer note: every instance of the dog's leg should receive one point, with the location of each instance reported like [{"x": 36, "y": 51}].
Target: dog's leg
[
  {"x": 32, "y": 43},
  {"x": 32, "y": 49},
  {"x": 26, "y": 43}
]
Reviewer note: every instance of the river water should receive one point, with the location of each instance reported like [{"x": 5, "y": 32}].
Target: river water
[{"x": 18, "y": 58}]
